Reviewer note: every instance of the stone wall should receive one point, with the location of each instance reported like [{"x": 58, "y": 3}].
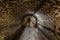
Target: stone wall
[{"x": 11, "y": 12}]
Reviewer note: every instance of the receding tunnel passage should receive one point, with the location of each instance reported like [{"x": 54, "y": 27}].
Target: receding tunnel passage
[{"x": 29, "y": 19}]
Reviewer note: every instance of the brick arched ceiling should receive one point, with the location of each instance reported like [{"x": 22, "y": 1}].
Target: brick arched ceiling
[{"x": 11, "y": 12}]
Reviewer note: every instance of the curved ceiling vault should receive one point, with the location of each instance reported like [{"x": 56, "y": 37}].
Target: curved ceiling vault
[{"x": 12, "y": 11}]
